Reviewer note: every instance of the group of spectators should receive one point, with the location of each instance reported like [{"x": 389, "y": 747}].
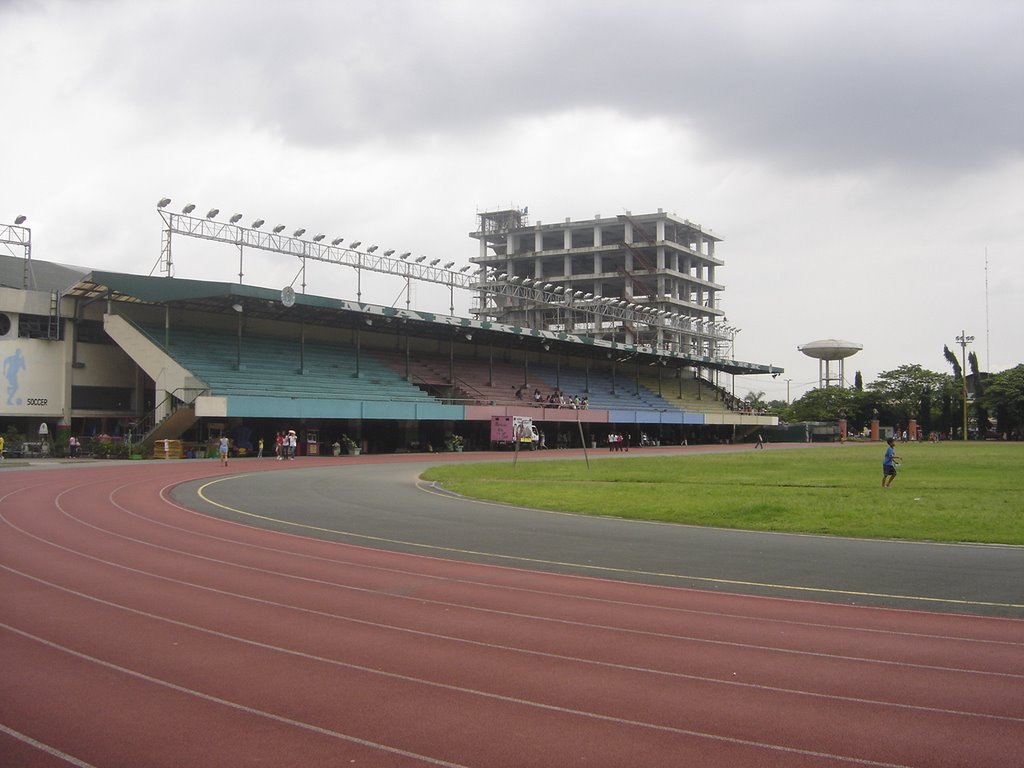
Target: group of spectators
[
  {"x": 737, "y": 405},
  {"x": 557, "y": 399},
  {"x": 285, "y": 444},
  {"x": 618, "y": 442}
]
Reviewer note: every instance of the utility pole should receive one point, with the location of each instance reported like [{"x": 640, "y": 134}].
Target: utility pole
[
  {"x": 787, "y": 390},
  {"x": 963, "y": 340}
]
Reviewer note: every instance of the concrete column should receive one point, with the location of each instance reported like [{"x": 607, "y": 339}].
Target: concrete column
[
  {"x": 538, "y": 241},
  {"x": 567, "y": 265},
  {"x": 567, "y": 239},
  {"x": 874, "y": 429},
  {"x": 597, "y": 236},
  {"x": 659, "y": 230}
]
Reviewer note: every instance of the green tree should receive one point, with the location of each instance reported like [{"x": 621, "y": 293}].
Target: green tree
[
  {"x": 904, "y": 390},
  {"x": 1004, "y": 396},
  {"x": 825, "y": 404},
  {"x": 755, "y": 400},
  {"x": 980, "y": 412}
]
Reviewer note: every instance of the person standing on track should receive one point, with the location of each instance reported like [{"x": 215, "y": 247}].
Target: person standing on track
[
  {"x": 889, "y": 464},
  {"x": 223, "y": 450}
]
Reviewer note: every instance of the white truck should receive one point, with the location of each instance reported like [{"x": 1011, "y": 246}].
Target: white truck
[{"x": 508, "y": 430}]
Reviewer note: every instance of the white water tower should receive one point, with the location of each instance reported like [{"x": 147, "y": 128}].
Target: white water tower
[{"x": 826, "y": 352}]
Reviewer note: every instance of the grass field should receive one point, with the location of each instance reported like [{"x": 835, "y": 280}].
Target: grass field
[{"x": 944, "y": 492}]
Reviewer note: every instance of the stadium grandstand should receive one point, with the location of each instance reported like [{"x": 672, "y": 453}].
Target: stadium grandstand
[{"x": 140, "y": 360}]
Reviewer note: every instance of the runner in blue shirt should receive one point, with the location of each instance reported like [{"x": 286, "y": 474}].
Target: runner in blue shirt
[{"x": 889, "y": 464}]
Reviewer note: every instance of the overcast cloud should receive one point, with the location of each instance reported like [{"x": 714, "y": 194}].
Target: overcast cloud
[{"x": 858, "y": 158}]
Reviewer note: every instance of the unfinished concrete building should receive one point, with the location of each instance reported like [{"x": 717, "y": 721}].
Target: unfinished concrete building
[{"x": 646, "y": 279}]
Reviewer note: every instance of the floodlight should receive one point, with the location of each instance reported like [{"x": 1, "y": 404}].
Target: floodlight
[
  {"x": 337, "y": 241},
  {"x": 405, "y": 255},
  {"x": 559, "y": 289},
  {"x": 389, "y": 252},
  {"x": 420, "y": 259},
  {"x": 577, "y": 294},
  {"x": 164, "y": 202},
  {"x": 371, "y": 249},
  {"x": 279, "y": 229},
  {"x": 318, "y": 238},
  {"x": 502, "y": 275},
  {"x": 258, "y": 223},
  {"x": 236, "y": 307},
  {"x": 465, "y": 268},
  {"x": 449, "y": 264},
  {"x": 514, "y": 279},
  {"x": 299, "y": 232},
  {"x": 548, "y": 286},
  {"x": 355, "y": 244},
  {"x": 235, "y": 219},
  {"x": 212, "y": 213},
  {"x": 188, "y": 208},
  {"x": 588, "y": 296},
  {"x": 20, "y": 219}
]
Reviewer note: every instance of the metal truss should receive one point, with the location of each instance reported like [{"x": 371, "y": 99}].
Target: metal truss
[
  {"x": 276, "y": 242},
  {"x": 12, "y": 234},
  {"x": 602, "y": 308}
]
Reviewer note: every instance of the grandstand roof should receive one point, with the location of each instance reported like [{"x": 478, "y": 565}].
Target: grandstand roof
[{"x": 265, "y": 303}]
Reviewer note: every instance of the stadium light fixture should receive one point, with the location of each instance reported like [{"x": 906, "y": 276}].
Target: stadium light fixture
[
  {"x": 212, "y": 213},
  {"x": 404, "y": 256},
  {"x": 20, "y": 219},
  {"x": 279, "y": 229},
  {"x": 371, "y": 249},
  {"x": 258, "y": 223},
  {"x": 389, "y": 252},
  {"x": 164, "y": 202},
  {"x": 355, "y": 243},
  {"x": 449, "y": 264},
  {"x": 465, "y": 268},
  {"x": 318, "y": 238},
  {"x": 420, "y": 259},
  {"x": 337, "y": 241},
  {"x": 299, "y": 232},
  {"x": 559, "y": 289},
  {"x": 188, "y": 208},
  {"x": 435, "y": 262},
  {"x": 235, "y": 219}
]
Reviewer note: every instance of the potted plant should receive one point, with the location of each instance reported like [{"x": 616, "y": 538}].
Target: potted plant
[{"x": 351, "y": 446}]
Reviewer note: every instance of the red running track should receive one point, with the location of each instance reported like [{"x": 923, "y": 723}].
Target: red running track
[{"x": 134, "y": 632}]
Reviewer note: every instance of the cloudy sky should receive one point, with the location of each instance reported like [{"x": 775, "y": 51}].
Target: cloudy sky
[{"x": 862, "y": 160}]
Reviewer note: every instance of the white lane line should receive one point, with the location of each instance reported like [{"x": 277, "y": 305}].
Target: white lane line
[
  {"x": 419, "y": 681},
  {"x": 226, "y": 702},
  {"x": 52, "y": 751}
]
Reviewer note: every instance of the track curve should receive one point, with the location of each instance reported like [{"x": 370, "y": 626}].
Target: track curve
[{"x": 136, "y": 631}]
